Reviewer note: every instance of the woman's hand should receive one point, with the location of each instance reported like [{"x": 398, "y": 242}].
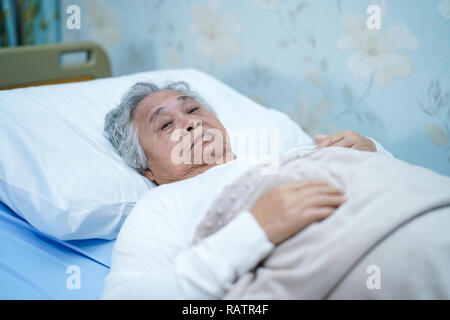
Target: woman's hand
[
  {"x": 289, "y": 208},
  {"x": 345, "y": 139}
]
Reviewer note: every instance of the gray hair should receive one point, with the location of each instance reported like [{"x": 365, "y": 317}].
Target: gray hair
[{"x": 119, "y": 127}]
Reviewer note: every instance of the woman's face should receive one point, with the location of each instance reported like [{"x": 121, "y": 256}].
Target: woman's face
[{"x": 180, "y": 137}]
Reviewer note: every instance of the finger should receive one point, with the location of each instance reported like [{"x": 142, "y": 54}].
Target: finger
[
  {"x": 331, "y": 140},
  {"x": 320, "y": 200},
  {"x": 307, "y": 196},
  {"x": 332, "y": 190},
  {"x": 364, "y": 145},
  {"x": 344, "y": 143},
  {"x": 318, "y": 214},
  {"x": 320, "y": 137},
  {"x": 321, "y": 189}
]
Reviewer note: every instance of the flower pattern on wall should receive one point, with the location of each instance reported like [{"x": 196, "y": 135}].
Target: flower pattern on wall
[
  {"x": 315, "y": 64},
  {"x": 377, "y": 54},
  {"x": 216, "y": 32},
  {"x": 313, "y": 59},
  {"x": 258, "y": 79},
  {"x": 104, "y": 22},
  {"x": 312, "y": 118},
  {"x": 437, "y": 107},
  {"x": 173, "y": 38}
]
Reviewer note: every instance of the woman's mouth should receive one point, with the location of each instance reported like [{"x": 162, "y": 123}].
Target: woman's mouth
[{"x": 199, "y": 137}]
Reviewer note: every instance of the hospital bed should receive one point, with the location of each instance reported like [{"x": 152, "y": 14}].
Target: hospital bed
[
  {"x": 40, "y": 259},
  {"x": 33, "y": 264},
  {"x": 41, "y": 250}
]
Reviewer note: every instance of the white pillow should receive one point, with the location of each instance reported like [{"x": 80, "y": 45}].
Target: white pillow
[{"x": 59, "y": 172}]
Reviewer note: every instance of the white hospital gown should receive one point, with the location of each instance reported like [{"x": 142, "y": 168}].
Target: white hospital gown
[{"x": 153, "y": 257}]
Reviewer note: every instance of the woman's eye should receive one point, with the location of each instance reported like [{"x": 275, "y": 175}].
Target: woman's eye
[
  {"x": 165, "y": 125},
  {"x": 193, "y": 110}
]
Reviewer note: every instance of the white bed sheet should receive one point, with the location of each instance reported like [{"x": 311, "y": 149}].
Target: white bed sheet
[{"x": 59, "y": 172}]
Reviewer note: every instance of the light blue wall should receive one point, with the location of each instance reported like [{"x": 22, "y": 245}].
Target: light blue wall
[{"x": 290, "y": 55}]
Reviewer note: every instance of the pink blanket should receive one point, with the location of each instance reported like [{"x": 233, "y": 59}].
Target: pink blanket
[{"x": 383, "y": 194}]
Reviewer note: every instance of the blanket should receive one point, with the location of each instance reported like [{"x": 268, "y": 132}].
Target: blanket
[{"x": 383, "y": 195}]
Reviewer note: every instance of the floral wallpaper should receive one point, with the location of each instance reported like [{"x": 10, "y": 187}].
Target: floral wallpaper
[{"x": 315, "y": 60}]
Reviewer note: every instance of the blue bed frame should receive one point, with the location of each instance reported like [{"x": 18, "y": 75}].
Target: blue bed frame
[{"x": 34, "y": 265}]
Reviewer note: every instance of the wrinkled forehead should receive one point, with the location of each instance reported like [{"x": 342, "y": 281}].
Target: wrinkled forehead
[{"x": 166, "y": 99}]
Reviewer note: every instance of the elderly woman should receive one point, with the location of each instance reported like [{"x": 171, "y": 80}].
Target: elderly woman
[{"x": 156, "y": 259}]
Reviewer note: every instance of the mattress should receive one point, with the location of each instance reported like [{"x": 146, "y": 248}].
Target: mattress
[{"x": 34, "y": 265}]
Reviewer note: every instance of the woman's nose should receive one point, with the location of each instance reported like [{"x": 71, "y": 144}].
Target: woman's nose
[{"x": 193, "y": 124}]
